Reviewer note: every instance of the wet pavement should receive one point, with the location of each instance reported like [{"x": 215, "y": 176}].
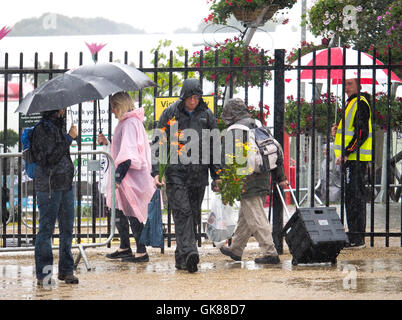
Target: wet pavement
[{"x": 370, "y": 273}]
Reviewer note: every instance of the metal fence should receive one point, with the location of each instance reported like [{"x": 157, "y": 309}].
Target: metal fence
[
  {"x": 94, "y": 223},
  {"x": 89, "y": 229}
]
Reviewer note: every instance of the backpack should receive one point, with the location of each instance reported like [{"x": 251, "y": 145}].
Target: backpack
[
  {"x": 27, "y": 154},
  {"x": 265, "y": 150}
]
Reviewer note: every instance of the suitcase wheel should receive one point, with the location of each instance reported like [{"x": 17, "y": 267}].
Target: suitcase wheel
[{"x": 294, "y": 262}]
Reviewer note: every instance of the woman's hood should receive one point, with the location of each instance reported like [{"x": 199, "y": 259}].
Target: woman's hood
[{"x": 136, "y": 113}]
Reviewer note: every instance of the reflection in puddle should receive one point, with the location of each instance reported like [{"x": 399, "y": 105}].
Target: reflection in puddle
[{"x": 358, "y": 276}]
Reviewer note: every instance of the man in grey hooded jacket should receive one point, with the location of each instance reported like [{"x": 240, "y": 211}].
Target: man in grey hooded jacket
[{"x": 252, "y": 220}]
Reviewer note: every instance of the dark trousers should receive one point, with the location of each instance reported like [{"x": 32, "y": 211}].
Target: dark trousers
[
  {"x": 57, "y": 205},
  {"x": 355, "y": 199},
  {"x": 185, "y": 203},
  {"x": 122, "y": 225}
]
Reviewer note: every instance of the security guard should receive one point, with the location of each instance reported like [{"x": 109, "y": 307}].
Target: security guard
[{"x": 357, "y": 152}]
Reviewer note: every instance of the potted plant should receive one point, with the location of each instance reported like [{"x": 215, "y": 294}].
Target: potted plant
[
  {"x": 244, "y": 10},
  {"x": 234, "y": 52}
]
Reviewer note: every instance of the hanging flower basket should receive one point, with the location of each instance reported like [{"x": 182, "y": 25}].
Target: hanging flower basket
[
  {"x": 244, "y": 10},
  {"x": 247, "y": 16}
]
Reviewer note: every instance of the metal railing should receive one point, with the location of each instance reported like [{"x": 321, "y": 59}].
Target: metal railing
[
  {"x": 15, "y": 234},
  {"x": 278, "y": 69}
]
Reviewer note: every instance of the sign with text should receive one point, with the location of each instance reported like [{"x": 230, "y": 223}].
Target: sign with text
[{"x": 161, "y": 103}]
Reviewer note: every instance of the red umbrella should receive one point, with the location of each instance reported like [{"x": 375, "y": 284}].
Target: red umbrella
[
  {"x": 13, "y": 91},
  {"x": 366, "y": 75}
]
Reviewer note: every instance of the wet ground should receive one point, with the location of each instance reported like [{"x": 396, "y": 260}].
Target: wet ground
[{"x": 370, "y": 273}]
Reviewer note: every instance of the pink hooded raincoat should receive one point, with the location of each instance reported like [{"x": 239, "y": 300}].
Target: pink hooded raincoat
[{"x": 130, "y": 141}]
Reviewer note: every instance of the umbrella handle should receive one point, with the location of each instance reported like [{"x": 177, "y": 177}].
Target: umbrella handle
[{"x": 100, "y": 122}]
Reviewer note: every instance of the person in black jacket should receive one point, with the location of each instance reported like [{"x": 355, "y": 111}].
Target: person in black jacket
[
  {"x": 357, "y": 154},
  {"x": 186, "y": 182},
  {"x": 53, "y": 182}
]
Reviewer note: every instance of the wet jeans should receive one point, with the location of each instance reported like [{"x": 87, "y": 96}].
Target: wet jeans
[
  {"x": 122, "y": 225},
  {"x": 59, "y": 206},
  {"x": 355, "y": 199}
]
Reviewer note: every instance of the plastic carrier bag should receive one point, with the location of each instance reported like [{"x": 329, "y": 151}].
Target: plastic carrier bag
[{"x": 221, "y": 223}]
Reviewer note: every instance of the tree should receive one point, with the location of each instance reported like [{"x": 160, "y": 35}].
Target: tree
[
  {"x": 377, "y": 25},
  {"x": 12, "y": 138},
  {"x": 163, "y": 61}
]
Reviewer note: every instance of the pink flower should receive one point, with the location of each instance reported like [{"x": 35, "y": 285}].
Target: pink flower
[
  {"x": 94, "y": 47},
  {"x": 4, "y": 31}
]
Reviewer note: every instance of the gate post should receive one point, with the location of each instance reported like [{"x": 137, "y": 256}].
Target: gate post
[{"x": 279, "y": 115}]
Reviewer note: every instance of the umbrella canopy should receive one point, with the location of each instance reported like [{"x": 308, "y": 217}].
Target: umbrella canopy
[
  {"x": 126, "y": 77},
  {"x": 366, "y": 75},
  {"x": 65, "y": 90}
]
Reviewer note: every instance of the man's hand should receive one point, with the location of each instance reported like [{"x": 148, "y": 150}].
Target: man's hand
[
  {"x": 215, "y": 185},
  {"x": 73, "y": 133},
  {"x": 284, "y": 183},
  {"x": 339, "y": 160},
  {"x": 157, "y": 182},
  {"x": 334, "y": 129}
]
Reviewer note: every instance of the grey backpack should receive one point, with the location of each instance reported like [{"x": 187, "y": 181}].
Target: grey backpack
[{"x": 265, "y": 150}]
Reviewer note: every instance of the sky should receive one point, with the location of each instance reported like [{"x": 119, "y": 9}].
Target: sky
[
  {"x": 153, "y": 16},
  {"x": 149, "y": 15}
]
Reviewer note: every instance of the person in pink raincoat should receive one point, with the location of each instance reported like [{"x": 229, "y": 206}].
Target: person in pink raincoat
[{"x": 131, "y": 152}]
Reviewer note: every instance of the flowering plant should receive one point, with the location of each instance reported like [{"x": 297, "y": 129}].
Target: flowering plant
[
  {"x": 233, "y": 175},
  {"x": 381, "y": 112},
  {"x": 94, "y": 48},
  {"x": 234, "y": 53},
  {"x": 306, "y": 119},
  {"x": 164, "y": 150},
  {"x": 305, "y": 48},
  {"x": 220, "y": 10},
  {"x": 4, "y": 31},
  {"x": 256, "y": 114}
]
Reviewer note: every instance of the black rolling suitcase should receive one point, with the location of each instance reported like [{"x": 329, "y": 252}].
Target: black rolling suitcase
[{"x": 314, "y": 235}]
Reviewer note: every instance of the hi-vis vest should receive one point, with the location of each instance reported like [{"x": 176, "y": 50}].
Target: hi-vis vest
[{"x": 365, "y": 153}]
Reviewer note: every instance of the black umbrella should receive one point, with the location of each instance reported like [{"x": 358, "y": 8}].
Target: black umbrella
[
  {"x": 90, "y": 82},
  {"x": 126, "y": 77},
  {"x": 65, "y": 90}
]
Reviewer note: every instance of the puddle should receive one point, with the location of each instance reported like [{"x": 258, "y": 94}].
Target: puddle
[{"x": 353, "y": 276}]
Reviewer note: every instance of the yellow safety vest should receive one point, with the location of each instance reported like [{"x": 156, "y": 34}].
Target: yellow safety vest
[{"x": 365, "y": 153}]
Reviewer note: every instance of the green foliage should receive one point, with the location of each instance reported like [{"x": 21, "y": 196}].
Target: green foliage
[
  {"x": 378, "y": 21},
  {"x": 381, "y": 112},
  {"x": 305, "y": 48},
  {"x": 306, "y": 119},
  {"x": 164, "y": 61},
  {"x": 237, "y": 49},
  {"x": 12, "y": 138},
  {"x": 222, "y": 9}
]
